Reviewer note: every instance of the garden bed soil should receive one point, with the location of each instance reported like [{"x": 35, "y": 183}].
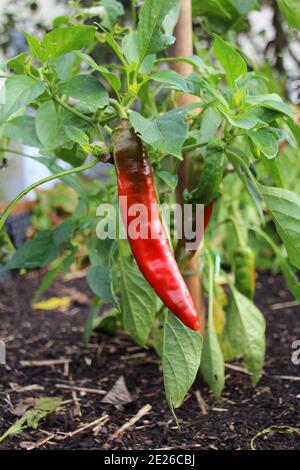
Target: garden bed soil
[{"x": 229, "y": 423}]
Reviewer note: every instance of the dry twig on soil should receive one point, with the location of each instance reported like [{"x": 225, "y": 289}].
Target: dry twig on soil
[{"x": 142, "y": 412}]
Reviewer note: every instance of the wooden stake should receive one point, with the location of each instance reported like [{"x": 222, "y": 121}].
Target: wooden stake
[{"x": 183, "y": 47}]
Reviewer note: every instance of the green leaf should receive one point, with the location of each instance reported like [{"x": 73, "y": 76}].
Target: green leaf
[
  {"x": 20, "y": 90},
  {"x": 212, "y": 362},
  {"x": 138, "y": 303},
  {"x": 255, "y": 83},
  {"x": 68, "y": 260},
  {"x": 89, "y": 324},
  {"x": 266, "y": 142},
  {"x": 207, "y": 7},
  {"x": 223, "y": 15},
  {"x": 168, "y": 178},
  {"x": 131, "y": 52},
  {"x": 47, "y": 123},
  {"x": 231, "y": 61},
  {"x": 46, "y": 282},
  {"x": 130, "y": 47},
  {"x": 272, "y": 101},
  {"x": 60, "y": 20},
  {"x": 253, "y": 192},
  {"x": 215, "y": 11},
  {"x": 290, "y": 277},
  {"x": 295, "y": 130},
  {"x": 39, "y": 251},
  {"x": 113, "y": 10},
  {"x": 76, "y": 135},
  {"x": 21, "y": 128},
  {"x": 63, "y": 40},
  {"x": 151, "y": 39},
  {"x": 86, "y": 88},
  {"x": 18, "y": 63},
  {"x": 214, "y": 92},
  {"x": 247, "y": 182},
  {"x": 171, "y": 18},
  {"x": 284, "y": 207},
  {"x": 99, "y": 281},
  {"x": 273, "y": 169},
  {"x": 166, "y": 133},
  {"x": 64, "y": 65},
  {"x": 171, "y": 79},
  {"x": 36, "y": 48},
  {"x": 245, "y": 329},
  {"x": 244, "y": 6},
  {"x": 99, "y": 251},
  {"x": 64, "y": 232},
  {"x": 115, "y": 47},
  {"x": 41, "y": 408},
  {"x": 181, "y": 359},
  {"x": 265, "y": 115},
  {"x": 246, "y": 120},
  {"x": 72, "y": 154},
  {"x": 291, "y": 11},
  {"x": 210, "y": 123},
  {"x": 110, "y": 77},
  {"x": 107, "y": 321},
  {"x": 6, "y": 247}
]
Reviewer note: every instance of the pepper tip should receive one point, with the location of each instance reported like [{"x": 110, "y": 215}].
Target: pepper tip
[{"x": 196, "y": 325}]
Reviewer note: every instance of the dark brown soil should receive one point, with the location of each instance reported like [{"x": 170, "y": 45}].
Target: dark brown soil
[{"x": 230, "y": 423}]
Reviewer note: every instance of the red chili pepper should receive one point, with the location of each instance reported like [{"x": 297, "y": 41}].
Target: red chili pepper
[
  {"x": 152, "y": 254},
  {"x": 208, "y": 212}
]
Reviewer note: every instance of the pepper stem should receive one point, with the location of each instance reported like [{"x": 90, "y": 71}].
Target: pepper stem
[
  {"x": 237, "y": 230},
  {"x": 120, "y": 110}
]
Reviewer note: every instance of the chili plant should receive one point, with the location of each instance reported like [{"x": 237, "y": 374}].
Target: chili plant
[{"x": 70, "y": 105}]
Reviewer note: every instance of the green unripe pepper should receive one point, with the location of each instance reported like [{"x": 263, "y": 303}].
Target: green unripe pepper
[
  {"x": 244, "y": 270},
  {"x": 211, "y": 177}
]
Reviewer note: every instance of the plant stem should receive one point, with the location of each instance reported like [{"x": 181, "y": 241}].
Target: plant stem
[
  {"x": 108, "y": 118},
  {"x": 8, "y": 209},
  {"x": 238, "y": 159},
  {"x": 187, "y": 148},
  {"x": 233, "y": 220},
  {"x": 74, "y": 111},
  {"x": 133, "y": 13},
  {"x": 179, "y": 59},
  {"x": 210, "y": 290},
  {"x": 267, "y": 238},
  {"x": 108, "y": 130},
  {"x": 98, "y": 131},
  {"x": 121, "y": 112},
  {"x": 15, "y": 152}
]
